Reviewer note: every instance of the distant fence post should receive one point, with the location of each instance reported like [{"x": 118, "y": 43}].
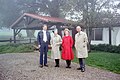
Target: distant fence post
[
  {"x": 10, "y": 40},
  {"x": 30, "y": 40}
]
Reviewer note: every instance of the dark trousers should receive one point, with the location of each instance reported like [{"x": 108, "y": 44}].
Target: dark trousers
[
  {"x": 43, "y": 52},
  {"x": 82, "y": 62},
  {"x": 57, "y": 62},
  {"x": 68, "y": 63}
]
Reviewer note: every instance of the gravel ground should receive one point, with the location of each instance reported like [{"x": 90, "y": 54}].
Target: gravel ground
[{"x": 24, "y": 66}]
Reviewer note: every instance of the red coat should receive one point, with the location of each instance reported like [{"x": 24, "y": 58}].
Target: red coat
[{"x": 67, "y": 43}]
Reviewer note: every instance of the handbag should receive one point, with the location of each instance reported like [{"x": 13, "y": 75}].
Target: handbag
[{"x": 60, "y": 48}]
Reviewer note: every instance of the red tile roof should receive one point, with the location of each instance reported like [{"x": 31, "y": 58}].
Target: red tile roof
[
  {"x": 42, "y": 18},
  {"x": 46, "y": 18}
]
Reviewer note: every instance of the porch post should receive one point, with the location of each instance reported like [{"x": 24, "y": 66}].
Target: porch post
[
  {"x": 14, "y": 34},
  {"x": 110, "y": 41}
]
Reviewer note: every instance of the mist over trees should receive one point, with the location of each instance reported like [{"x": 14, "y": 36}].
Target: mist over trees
[
  {"x": 79, "y": 10},
  {"x": 90, "y": 13}
]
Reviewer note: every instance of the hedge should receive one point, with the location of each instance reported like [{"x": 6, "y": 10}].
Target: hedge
[
  {"x": 106, "y": 48},
  {"x": 16, "y": 48}
]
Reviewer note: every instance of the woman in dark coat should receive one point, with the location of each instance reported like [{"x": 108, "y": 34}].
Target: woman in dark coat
[{"x": 67, "y": 43}]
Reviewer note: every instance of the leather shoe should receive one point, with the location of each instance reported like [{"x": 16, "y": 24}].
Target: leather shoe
[
  {"x": 82, "y": 69},
  {"x": 79, "y": 68},
  {"x": 68, "y": 67},
  {"x": 56, "y": 65},
  {"x": 46, "y": 65},
  {"x": 40, "y": 66}
]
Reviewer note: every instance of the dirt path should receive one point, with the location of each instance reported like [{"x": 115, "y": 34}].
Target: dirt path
[{"x": 24, "y": 66}]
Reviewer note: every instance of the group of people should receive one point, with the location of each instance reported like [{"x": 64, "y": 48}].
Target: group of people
[{"x": 66, "y": 43}]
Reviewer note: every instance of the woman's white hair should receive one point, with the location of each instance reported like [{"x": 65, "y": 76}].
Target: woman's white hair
[
  {"x": 55, "y": 30},
  {"x": 78, "y": 27}
]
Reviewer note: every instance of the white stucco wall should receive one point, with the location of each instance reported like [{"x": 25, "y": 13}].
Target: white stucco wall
[
  {"x": 115, "y": 37},
  {"x": 118, "y": 36},
  {"x": 115, "y": 31}
]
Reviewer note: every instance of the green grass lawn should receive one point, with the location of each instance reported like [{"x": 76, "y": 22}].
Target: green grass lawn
[{"x": 103, "y": 60}]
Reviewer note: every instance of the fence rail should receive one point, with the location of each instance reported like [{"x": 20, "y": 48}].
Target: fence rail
[{"x": 19, "y": 41}]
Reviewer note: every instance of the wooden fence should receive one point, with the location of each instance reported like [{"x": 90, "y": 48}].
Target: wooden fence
[{"x": 19, "y": 41}]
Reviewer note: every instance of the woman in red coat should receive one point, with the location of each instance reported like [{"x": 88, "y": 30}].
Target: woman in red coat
[{"x": 67, "y": 43}]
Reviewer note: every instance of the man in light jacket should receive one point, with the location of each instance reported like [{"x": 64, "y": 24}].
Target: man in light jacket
[{"x": 81, "y": 41}]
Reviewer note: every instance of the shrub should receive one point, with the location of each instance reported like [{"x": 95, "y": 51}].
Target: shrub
[
  {"x": 16, "y": 48},
  {"x": 106, "y": 48}
]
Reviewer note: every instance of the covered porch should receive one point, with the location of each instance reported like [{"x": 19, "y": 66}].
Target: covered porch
[{"x": 29, "y": 21}]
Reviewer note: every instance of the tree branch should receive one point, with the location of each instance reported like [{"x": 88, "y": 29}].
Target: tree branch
[{"x": 102, "y": 5}]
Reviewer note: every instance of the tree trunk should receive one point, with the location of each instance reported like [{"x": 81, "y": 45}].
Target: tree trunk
[
  {"x": 86, "y": 22},
  {"x": 30, "y": 33},
  {"x": 54, "y": 9}
]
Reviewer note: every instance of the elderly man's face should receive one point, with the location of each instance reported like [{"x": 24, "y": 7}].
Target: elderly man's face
[
  {"x": 45, "y": 27},
  {"x": 78, "y": 29}
]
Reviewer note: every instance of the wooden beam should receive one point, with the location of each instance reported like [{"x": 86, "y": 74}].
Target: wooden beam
[
  {"x": 110, "y": 35},
  {"x": 14, "y": 34},
  {"x": 17, "y": 21}
]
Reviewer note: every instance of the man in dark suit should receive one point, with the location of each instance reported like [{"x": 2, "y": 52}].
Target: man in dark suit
[{"x": 43, "y": 40}]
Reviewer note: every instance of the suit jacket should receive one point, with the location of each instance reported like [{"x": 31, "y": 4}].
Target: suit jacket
[{"x": 40, "y": 37}]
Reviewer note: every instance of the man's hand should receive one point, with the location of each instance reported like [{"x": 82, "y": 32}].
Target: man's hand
[
  {"x": 49, "y": 45},
  {"x": 39, "y": 46}
]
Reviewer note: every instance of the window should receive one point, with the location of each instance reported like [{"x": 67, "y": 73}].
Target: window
[{"x": 97, "y": 34}]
